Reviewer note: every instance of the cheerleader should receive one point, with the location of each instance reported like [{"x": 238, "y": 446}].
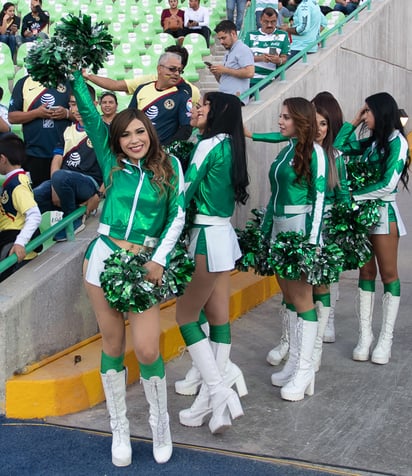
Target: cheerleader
[
  {"x": 143, "y": 210},
  {"x": 384, "y": 161},
  {"x": 216, "y": 180}
]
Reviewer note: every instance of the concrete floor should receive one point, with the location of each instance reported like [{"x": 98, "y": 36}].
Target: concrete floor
[{"x": 359, "y": 418}]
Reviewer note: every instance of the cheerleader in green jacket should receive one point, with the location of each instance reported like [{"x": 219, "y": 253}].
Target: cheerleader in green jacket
[
  {"x": 143, "y": 210},
  {"x": 384, "y": 158},
  {"x": 215, "y": 180},
  {"x": 298, "y": 178}
]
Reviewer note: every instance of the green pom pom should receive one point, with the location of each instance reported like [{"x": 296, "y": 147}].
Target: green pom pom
[
  {"x": 124, "y": 285},
  {"x": 76, "y": 44}
]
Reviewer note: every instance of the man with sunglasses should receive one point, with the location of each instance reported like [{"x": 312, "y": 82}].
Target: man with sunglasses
[{"x": 167, "y": 101}]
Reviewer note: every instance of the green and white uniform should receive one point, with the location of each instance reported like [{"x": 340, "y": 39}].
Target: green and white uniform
[
  {"x": 208, "y": 181},
  {"x": 295, "y": 206},
  {"x": 390, "y": 172},
  {"x": 134, "y": 209}
]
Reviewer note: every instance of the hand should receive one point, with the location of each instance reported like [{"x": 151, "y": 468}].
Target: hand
[
  {"x": 20, "y": 252},
  {"x": 217, "y": 69},
  {"x": 59, "y": 113},
  {"x": 283, "y": 27},
  {"x": 154, "y": 272},
  {"x": 92, "y": 204},
  {"x": 247, "y": 132},
  {"x": 358, "y": 119}
]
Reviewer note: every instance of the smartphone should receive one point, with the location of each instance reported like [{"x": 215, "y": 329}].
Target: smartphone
[
  {"x": 274, "y": 51},
  {"x": 208, "y": 63},
  {"x": 52, "y": 107}
]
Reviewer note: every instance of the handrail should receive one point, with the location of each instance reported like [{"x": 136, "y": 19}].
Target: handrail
[
  {"x": 281, "y": 71},
  {"x": 64, "y": 224}
]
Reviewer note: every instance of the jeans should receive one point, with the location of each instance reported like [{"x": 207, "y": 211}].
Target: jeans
[
  {"x": 73, "y": 188},
  {"x": 350, "y": 7},
  {"x": 239, "y": 5},
  {"x": 11, "y": 41}
]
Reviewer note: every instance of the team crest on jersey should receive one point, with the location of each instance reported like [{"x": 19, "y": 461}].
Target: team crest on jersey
[
  {"x": 4, "y": 197},
  {"x": 61, "y": 88},
  {"x": 169, "y": 104}
]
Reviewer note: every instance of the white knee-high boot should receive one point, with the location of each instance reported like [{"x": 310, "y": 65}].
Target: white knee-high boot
[
  {"x": 390, "y": 307},
  {"x": 201, "y": 408},
  {"x": 366, "y": 302},
  {"x": 278, "y": 353},
  {"x": 303, "y": 380},
  {"x": 329, "y": 335},
  {"x": 323, "y": 313},
  {"x": 114, "y": 385},
  {"x": 223, "y": 400},
  {"x": 282, "y": 378},
  {"x": 155, "y": 390},
  {"x": 192, "y": 381}
]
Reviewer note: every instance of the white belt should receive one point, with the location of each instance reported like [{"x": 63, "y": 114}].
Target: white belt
[
  {"x": 211, "y": 220},
  {"x": 297, "y": 209},
  {"x": 389, "y": 198}
]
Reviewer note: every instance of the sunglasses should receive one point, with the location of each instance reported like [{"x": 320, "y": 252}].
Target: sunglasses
[{"x": 172, "y": 69}]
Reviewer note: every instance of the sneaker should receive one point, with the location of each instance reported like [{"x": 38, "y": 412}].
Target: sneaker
[{"x": 78, "y": 226}]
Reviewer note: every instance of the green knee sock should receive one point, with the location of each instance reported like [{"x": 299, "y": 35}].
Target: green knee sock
[
  {"x": 108, "y": 362},
  {"x": 323, "y": 298},
  {"x": 367, "y": 285},
  {"x": 309, "y": 315},
  {"x": 192, "y": 333},
  {"x": 221, "y": 334},
  {"x": 291, "y": 307},
  {"x": 155, "y": 369},
  {"x": 394, "y": 288}
]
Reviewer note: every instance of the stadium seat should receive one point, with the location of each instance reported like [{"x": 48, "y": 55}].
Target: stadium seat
[
  {"x": 199, "y": 43},
  {"x": 327, "y": 3},
  {"x": 6, "y": 62},
  {"x": 22, "y": 51},
  {"x": 333, "y": 19}
]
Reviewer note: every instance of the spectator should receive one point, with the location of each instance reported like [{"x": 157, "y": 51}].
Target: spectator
[
  {"x": 172, "y": 21},
  {"x": 308, "y": 21},
  {"x": 36, "y": 23},
  {"x": 130, "y": 85},
  {"x": 239, "y": 6},
  {"x": 45, "y": 115},
  {"x": 283, "y": 12},
  {"x": 238, "y": 67},
  {"x": 19, "y": 213},
  {"x": 9, "y": 26},
  {"x": 197, "y": 20},
  {"x": 346, "y": 6},
  {"x": 269, "y": 45},
  {"x": 4, "y": 113},
  {"x": 76, "y": 177},
  {"x": 167, "y": 102},
  {"x": 108, "y": 105}
]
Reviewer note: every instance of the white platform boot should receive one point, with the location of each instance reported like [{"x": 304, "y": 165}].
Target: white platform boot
[
  {"x": 231, "y": 373},
  {"x": 282, "y": 378},
  {"x": 114, "y": 385},
  {"x": 192, "y": 381},
  {"x": 323, "y": 313},
  {"x": 156, "y": 394},
  {"x": 329, "y": 335},
  {"x": 213, "y": 394},
  {"x": 366, "y": 302},
  {"x": 390, "y": 306},
  {"x": 303, "y": 380},
  {"x": 278, "y": 353}
]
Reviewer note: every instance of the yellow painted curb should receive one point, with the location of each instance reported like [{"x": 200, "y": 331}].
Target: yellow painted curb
[{"x": 69, "y": 382}]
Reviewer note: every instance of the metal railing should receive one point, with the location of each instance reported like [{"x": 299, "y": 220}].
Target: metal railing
[
  {"x": 64, "y": 224},
  {"x": 281, "y": 71}
]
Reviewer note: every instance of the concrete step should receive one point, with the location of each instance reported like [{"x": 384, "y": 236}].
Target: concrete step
[{"x": 70, "y": 382}]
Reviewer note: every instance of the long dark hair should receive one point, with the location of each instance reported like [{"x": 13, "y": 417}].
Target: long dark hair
[
  {"x": 225, "y": 116},
  {"x": 303, "y": 114},
  {"x": 328, "y": 107},
  {"x": 387, "y": 119},
  {"x": 6, "y": 6},
  {"x": 156, "y": 160}
]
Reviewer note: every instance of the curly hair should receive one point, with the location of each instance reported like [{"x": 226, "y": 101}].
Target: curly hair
[{"x": 303, "y": 114}]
